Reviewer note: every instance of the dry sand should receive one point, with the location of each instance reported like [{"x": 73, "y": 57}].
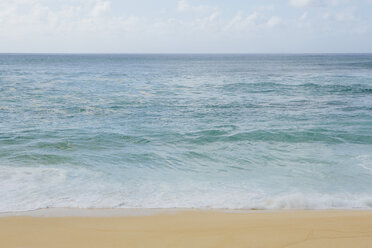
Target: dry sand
[{"x": 190, "y": 229}]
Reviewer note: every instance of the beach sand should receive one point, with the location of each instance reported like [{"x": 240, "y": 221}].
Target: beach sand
[{"x": 197, "y": 228}]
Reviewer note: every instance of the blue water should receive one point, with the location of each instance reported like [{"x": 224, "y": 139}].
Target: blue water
[{"x": 164, "y": 131}]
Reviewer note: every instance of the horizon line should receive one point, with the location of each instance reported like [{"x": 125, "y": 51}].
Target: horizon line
[{"x": 181, "y": 53}]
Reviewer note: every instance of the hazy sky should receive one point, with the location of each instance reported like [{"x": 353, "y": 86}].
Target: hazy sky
[{"x": 183, "y": 26}]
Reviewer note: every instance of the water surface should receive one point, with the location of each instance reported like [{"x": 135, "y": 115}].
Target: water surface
[{"x": 165, "y": 131}]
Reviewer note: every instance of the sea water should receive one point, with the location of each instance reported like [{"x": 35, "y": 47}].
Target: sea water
[{"x": 185, "y": 131}]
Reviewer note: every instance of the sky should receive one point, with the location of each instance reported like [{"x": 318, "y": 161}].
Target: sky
[{"x": 185, "y": 26}]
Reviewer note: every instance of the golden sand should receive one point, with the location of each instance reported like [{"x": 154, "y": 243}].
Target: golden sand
[{"x": 288, "y": 229}]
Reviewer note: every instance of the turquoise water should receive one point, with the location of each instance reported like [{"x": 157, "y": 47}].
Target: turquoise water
[{"x": 164, "y": 131}]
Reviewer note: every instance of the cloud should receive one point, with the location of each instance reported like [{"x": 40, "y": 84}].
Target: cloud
[
  {"x": 300, "y": 3},
  {"x": 306, "y": 3},
  {"x": 254, "y": 21},
  {"x": 88, "y": 24},
  {"x": 303, "y": 22},
  {"x": 304, "y": 16},
  {"x": 100, "y": 7},
  {"x": 317, "y": 3},
  {"x": 273, "y": 21},
  {"x": 183, "y": 5},
  {"x": 23, "y": 17},
  {"x": 338, "y": 2},
  {"x": 340, "y": 16}
]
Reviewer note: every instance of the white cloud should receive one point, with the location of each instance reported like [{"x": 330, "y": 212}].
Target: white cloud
[
  {"x": 240, "y": 22},
  {"x": 184, "y": 5},
  {"x": 304, "y": 22},
  {"x": 304, "y": 16},
  {"x": 87, "y": 24},
  {"x": 253, "y": 18},
  {"x": 23, "y": 17},
  {"x": 318, "y": 3},
  {"x": 273, "y": 21},
  {"x": 300, "y": 3},
  {"x": 100, "y": 7},
  {"x": 307, "y": 3},
  {"x": 338, "y": 2},
  {"x": 254, "y": 21},
  {"x": 340, "y": 16}
]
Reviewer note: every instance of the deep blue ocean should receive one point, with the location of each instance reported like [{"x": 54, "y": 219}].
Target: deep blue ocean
[{"x": 185, "y": 131}]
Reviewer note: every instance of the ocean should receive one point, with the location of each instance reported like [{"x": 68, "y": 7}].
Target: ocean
[{"x": 185, "y": 131}]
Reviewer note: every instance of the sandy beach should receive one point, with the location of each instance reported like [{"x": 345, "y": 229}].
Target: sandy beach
[{"x": 188, "y": 229}]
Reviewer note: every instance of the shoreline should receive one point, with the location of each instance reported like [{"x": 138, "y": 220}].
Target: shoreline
[
  {"x": 188, "y": 228},
  {"x": 127, "y": 212},
  {"x": 87, "y": 212}
]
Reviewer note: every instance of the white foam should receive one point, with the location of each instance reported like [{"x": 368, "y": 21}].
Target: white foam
[
  {"x": 30, "y": 188},
  {"x": 365, "y": 161}
]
